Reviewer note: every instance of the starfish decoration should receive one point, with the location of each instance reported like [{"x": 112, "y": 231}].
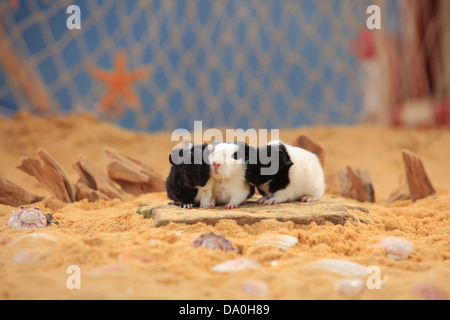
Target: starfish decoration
[{"x": 119, "y": 82}]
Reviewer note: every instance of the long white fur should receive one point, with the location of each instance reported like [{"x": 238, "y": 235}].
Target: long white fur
[
  {"x": 307, "y": 181},
  {"x": 229, "y": 187}
]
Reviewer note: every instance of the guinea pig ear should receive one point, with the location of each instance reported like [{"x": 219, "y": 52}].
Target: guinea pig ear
[
  {"x": 176, "y": 156},
  {"x": 250, "y": 152},
  {"x": 285, "y": 161}
]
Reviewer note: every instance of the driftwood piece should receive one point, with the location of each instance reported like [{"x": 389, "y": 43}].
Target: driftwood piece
[
  {"x": 356, "y": 184},
  {"x": 401, "y": 193},
  {"x": 133, "y": 176},
  {"x": 94, "y": 184},
  {"x": 13, "y": 195},
  {"x": 418, "y": 182},
  {"x": 48, "y": 172},
  {"x": 328, "y": 209},
  {"x": 306, "y": 143}
]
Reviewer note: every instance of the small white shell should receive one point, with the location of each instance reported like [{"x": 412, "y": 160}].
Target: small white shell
[
  {"x": 109, "y": 268},
  {"x": 235, "y": 265},
  {"x": 396, "y": 248},
  {"x": 28, "y": 257},
  {"x": 282, "y": 241},
  {"x": 257, "y": 288},
  {"x": 350, "y": 287},
  {"x": 34, "y": 238},
  {"x": 342, "y": 267}
]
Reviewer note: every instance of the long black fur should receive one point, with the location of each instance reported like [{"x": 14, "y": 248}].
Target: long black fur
[
  {"x": 185, "y": 177},
  {"x": 277, "y": 181}
]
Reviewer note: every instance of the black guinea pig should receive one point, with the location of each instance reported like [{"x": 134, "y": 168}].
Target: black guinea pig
[{"x": 189, "y": 175}]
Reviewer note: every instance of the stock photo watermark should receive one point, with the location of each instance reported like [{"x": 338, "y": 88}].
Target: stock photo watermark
[
  {"x": 373, "y": 281},
  {"x": 74, "y": 280},
  {"x": 74, "y": 20}
]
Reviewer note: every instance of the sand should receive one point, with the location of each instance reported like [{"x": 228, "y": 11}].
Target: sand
[{"x": 120, "y": 255}]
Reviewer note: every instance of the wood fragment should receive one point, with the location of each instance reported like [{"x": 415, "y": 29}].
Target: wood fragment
[
  {"x": 94, "y": 184},
  {"x": 306, "y": 143},
  {"x": 48, "y": 172},
  {"x": 401, "y": 193},
  {"x": 13, "y": 195},
  {"x": 133, "y": 176},
  {"x": 418, "y": 182},
  {"x": 356, "y": 184}
]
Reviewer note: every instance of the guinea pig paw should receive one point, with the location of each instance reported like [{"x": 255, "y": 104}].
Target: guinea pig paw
[
  {"x": 270, "y": 202},
  {"x": 207, "y": 206},
  {"x": 261, "y": 200},
  {"x": 307, "y": 199},
  {"x": 231, "y": 206},
  {"x": 186, "y": 206},
  {"x": 171, "y": 203},
  {"x": 243, "y": 203}
]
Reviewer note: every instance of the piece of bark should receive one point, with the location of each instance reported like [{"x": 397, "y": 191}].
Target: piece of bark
[
  {"x": 356, "y": 184},
  {"x": 133, "y": 176},
  {"x": 85, "y": 192},
  {"x": 402, "y": 192},
  {"x": 94, "y": 184},
  {"x": 13, "y": 195},
  {"x": 48, "y": 172},
  {"x": 306, "y": 143},
  {"x": 418, "y": 182}
]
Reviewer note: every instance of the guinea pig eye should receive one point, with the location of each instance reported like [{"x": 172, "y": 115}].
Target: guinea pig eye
[{"x": 235, "y": 156}]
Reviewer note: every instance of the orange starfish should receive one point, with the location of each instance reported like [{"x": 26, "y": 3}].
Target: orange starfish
[{"x": 119, "y": 83}]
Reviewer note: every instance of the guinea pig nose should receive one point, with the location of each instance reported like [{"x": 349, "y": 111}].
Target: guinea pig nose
[{"x": 216, "y": 166}]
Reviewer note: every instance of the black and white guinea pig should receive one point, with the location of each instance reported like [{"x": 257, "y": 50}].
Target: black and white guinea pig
[
  {"x": 298, "y": 176},
  {"x": 187, "y": 183},
  {"x": 228, "y": 165}
]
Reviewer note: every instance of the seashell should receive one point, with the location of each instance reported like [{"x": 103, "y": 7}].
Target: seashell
[
  {"x": 235, "y": 265},
  {"x": 257, "y": 288},
  {"x": 282, "y": 241},
  {"x": 34, "y": 237},
  {"x": 396, "y": 248},
  {"x": 109, "y": 268},
  {"x": 4, "y": 240},
  {"x": 428, "y": 291},
  {"x": 154, "y": 241},
  {"x": 131, "y": 256},
  {"x": 28, "y": 257},
  {"x": 342, "y": 267},
  {"x": 27, "y": 219},
  {"x": 350, "y": 287},
  {"x": 214, "y": 241}
]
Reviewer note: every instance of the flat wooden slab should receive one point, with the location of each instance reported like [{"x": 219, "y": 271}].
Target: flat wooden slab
[{"x": 328, "y": 209}]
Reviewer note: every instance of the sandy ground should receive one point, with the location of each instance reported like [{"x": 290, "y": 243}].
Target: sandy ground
[{"x": 120, "y": 255}]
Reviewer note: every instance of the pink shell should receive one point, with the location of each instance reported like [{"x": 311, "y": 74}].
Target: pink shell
[
  {"x": 4, "y": 240},
  {"x": 107, "y": 269},
  {"x": 28, "y": 257},
  {"x": 214, "y": 241},
  {"x": 257, "y": 288},
  {"x": 235, "y": 265},
  {"x": 396, "y": 248},
  {"x": 428, "y": 291},
  {"x": 27, "y": 219}
]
